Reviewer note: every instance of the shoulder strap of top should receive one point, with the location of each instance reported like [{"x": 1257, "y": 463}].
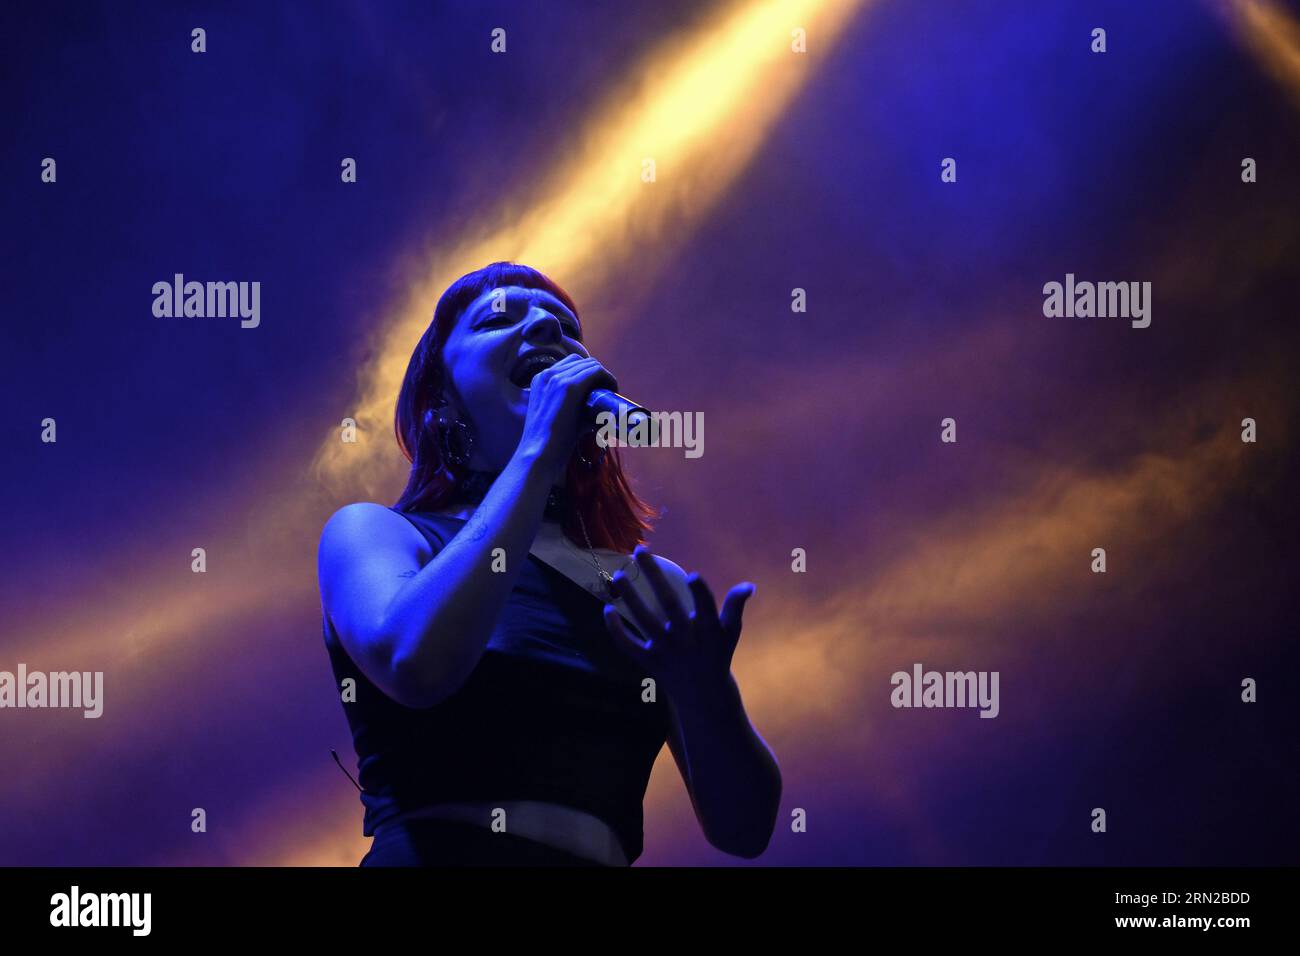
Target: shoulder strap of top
[{"x": 437, "y": 529}]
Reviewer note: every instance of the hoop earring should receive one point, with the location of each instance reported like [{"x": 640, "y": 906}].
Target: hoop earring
[{"x": 455, "y": 438}]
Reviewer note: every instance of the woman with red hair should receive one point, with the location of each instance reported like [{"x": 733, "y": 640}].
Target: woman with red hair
[{"x": 511, "y": 657}]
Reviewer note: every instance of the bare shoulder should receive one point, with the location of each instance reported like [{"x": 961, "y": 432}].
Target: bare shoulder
[
  {"x": 367, "y": 552},
  {"x": 358, "y": 518},
  {"x": 364, "y": 523}
]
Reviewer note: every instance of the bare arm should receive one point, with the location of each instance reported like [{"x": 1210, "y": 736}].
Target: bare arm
[
  {"x": 730, "y": 773},
  {"x": 417, "y": 632},
  {"x": 732, "y": 777}
]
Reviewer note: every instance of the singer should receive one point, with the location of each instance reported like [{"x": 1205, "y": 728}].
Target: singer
[{"x": 518, "y": 656}]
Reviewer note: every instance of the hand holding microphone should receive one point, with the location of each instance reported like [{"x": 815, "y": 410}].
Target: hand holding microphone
[{"x": 567, "y": 399}]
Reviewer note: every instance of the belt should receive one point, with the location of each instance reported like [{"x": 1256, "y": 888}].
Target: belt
[{"x": 558, "y": 826}]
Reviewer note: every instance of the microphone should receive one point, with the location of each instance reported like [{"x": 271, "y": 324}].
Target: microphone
[{"x": 634, "y": 423}]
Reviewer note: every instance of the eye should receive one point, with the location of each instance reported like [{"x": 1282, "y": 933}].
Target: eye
[{"x": 498, "y": 318}]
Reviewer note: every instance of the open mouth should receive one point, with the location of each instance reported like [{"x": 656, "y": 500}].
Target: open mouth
[{"x": 521, "y": 375}]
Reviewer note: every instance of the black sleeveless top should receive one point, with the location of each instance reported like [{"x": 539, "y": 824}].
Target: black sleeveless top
[{"x": 552, "y": 712}]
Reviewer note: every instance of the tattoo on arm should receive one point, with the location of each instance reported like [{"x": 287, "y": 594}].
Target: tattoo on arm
[{"x": 476, "y": 529}]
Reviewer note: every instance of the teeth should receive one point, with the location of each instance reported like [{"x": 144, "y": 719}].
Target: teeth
[{"x": 532, "y": 365}]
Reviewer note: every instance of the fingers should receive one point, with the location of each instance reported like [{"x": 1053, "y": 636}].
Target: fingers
[
  {"x": 587, "y": 371},
  {"x": 732, "y": 608},
  {"x": 630, "y": 645},
  {"x": 705, "y": 606},
  {"x": 667, "y": 597},
  {"x": 603, "y": 378},
  {"x": 567, "y": 370},
  {"x": 651, "y": 625},
  {"x": 564, "y": 372},
  {"x": 568, "y": 366}
]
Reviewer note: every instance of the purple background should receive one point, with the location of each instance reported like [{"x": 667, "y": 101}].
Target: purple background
[{"x": 822, "y": 429}]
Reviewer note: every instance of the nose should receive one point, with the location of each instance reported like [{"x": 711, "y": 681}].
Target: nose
[{"x": 541, "y": 326}]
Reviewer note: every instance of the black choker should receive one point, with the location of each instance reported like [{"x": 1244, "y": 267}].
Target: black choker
[{"x": 474, "y": 487}]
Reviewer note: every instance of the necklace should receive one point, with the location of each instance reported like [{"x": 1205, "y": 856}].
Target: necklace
[{"x": 604, "y": 589}]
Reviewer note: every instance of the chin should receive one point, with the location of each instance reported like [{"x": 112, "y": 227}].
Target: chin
[{"x": 516, "y": 398}]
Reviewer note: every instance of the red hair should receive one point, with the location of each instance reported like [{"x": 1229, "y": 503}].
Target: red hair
[{"x": 615, "y": 517}]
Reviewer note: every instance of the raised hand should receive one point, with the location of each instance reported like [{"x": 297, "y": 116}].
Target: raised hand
[{"x": 688, "y": 653}]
